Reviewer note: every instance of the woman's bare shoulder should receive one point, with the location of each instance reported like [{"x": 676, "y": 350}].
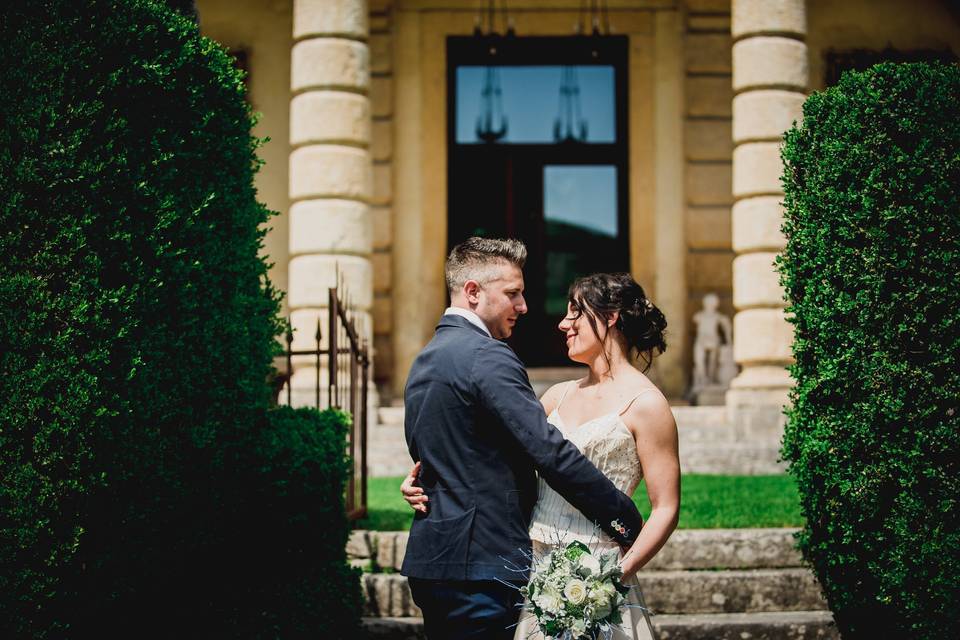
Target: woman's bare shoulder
[
  {"x": 650, "y": 411},
  {"x": 551, "y": 397}
]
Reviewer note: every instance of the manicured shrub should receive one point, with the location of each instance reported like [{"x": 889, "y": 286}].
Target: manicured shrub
[
  {"x": 872, "y": 273},
  {"x": 281, "y": 540},
  {"x": 145, "y": 488}
]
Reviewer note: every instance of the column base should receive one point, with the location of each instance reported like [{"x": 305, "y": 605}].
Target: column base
[{"x": 756, "y": 402}]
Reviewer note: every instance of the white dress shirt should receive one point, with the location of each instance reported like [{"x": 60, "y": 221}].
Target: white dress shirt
[{"x": 469, "y": 315}]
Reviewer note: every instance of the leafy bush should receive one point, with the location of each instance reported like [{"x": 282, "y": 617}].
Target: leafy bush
[
  {"x": 872, "y": 272},
  {"x": 145, "y": 488},
  {"x": 286, "y": 502}
]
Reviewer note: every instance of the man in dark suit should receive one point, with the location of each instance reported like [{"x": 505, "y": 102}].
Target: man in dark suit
[{"x": 478, "y": 431}]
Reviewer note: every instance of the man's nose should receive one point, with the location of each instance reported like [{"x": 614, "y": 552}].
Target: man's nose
[{"x": 522, "y": 307}]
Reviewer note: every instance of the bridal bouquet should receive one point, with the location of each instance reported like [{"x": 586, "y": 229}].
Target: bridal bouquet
[{"x": 575, "y": 594}]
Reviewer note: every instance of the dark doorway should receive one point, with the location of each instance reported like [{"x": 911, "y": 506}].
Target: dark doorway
[{"x": 537, "y": 140}]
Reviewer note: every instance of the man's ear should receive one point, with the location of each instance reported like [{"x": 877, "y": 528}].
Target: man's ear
[{"x": 471, "y": 291}]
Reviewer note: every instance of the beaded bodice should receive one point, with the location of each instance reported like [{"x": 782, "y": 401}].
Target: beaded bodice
[{"x": 610, "y": 446}]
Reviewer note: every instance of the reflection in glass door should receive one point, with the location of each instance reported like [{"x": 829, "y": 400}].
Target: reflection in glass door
[
  {"x": 581, "y": 225},
  {"x": 537, "y": 151}
]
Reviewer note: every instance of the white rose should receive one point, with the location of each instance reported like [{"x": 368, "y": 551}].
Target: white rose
[
  {"x": 575, "y": 591},
  {"x": 589, "y": 564}
]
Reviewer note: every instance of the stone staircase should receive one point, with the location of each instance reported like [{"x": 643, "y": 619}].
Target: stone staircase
[
  {"x": 387, "y": 453},
  {"x": 715, "y": 584},
  {"x": 708, "y": 444}
]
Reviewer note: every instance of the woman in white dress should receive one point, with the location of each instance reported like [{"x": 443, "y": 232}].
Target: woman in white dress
[{"x": 619, "y": 420}]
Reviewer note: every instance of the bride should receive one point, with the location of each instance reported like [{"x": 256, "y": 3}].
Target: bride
[{"x": 619, "y": 420}]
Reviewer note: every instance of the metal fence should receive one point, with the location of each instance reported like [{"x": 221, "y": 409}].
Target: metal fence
[{"x": 346, "y": 360}]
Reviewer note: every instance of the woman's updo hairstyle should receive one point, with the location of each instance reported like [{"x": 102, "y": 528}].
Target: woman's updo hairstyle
[{"x": 640, "y": 321}]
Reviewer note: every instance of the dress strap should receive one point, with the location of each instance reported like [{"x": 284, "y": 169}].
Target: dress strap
[
  {"x": 630, "y": 402},
  {"x": 566, "y": 388}
]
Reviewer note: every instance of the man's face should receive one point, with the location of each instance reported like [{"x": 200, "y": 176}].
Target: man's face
[{"x": 501, "y": 301}]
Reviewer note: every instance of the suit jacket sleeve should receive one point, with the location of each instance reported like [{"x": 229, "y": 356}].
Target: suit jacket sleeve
[{"x": 504, "y": 390}]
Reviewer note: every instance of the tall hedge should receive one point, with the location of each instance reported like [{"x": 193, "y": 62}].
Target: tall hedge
[
  {"x": 145, "y": 488},
  {"x": 872, "y": 274}
]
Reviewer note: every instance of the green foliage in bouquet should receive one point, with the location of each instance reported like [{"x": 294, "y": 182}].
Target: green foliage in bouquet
[
  {"x": 145, "y": 487},
  {"x": 575, "y": 594},
  {"x": 872, "y": 274}
]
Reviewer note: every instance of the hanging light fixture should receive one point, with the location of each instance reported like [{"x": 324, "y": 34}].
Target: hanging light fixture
[
  {"x": 485, "y": 22},
  {"x": 492, "y": 123},
  {"x": 570, "y": 125},
  {"x": 596, "y": 14}
]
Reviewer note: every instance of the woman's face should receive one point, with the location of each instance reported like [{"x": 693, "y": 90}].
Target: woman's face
[{"x": 583, "y": 345}]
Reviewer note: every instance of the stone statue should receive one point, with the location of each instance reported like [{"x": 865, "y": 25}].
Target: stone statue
[{"x": 713, "y": 365}]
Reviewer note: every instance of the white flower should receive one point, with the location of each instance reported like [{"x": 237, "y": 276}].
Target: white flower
[
  {"x": 548, "y": 602},
  {"x": 599, "y": 608},
  {"x": 578, "y": 628},
  {"x": 589, "y": 565},
  {"x": 549, "y": 599},
  {"x": 600, "y": 601},
  {"x": 607, "y": 589},
  {"x": 575, "y": 591}
]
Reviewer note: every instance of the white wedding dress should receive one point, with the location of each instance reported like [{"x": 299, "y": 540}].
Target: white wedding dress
[{"x": 610, "y": 446}]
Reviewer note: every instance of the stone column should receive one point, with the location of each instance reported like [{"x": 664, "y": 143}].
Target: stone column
[
  {"x": 330, "y": 170},
  {"x": 769, "y": 83}
]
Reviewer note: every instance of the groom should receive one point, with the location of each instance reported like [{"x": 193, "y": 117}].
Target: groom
[{"x": 479, "y": 432}]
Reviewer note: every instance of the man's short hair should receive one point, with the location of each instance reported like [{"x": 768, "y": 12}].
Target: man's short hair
[{"x": 477, "y": 259}]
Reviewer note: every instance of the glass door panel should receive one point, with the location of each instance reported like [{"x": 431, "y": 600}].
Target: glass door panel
[{"x": 537, "y": 151}]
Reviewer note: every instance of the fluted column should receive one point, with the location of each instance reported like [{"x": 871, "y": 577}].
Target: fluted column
[
  {"x": 769, "y": 81},
  {"x": 330, "y": 169}
]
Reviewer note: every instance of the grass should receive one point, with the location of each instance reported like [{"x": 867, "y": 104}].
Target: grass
[{"x": 706, "y": 502}]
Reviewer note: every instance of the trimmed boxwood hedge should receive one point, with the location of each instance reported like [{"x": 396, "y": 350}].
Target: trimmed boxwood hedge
[
  {"x": 146, "y": 490},
  {"x": 872, "y": 274}
]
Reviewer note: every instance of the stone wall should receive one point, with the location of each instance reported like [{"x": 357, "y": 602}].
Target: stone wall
[
  {"x": 877, "y": 25},
  {"x": 708, "y": 150},
  {"x": 264, "y": 32}
]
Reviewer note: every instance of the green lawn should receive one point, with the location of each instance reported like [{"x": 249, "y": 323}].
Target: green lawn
[{"x": 707, "y": 502}]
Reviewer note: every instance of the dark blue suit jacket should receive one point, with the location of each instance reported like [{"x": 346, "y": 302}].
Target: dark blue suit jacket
[{"x": 475, "y": 423}]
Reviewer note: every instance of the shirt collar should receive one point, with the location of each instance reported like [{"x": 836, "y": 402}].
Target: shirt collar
[{"x": 469, "y": 315}]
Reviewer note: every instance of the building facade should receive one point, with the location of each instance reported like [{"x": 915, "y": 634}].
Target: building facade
[{"x": 641, "y": 136}]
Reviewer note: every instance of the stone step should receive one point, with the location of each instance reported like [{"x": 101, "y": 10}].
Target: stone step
[
  {"x": 666, "y": 592},
  {"x": 770, "y": 548},
  {"x": 390, "y": 415},
  {"x": 731, "y": 458},
  {"x": 731, "y": 591},
  {"x": 388, "y": 464},
  {"x": 701, "y": 416},
  {"x": 387, "y": 456},
  {"x": 386, "y": 436},
  {"x": 790, "y": 625},
  {"x": 776, "y": 625},
  {"x": 687, "y": 549},
  {"x": 707, "y": 445},
  {"x": 375, "y": 628}
]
